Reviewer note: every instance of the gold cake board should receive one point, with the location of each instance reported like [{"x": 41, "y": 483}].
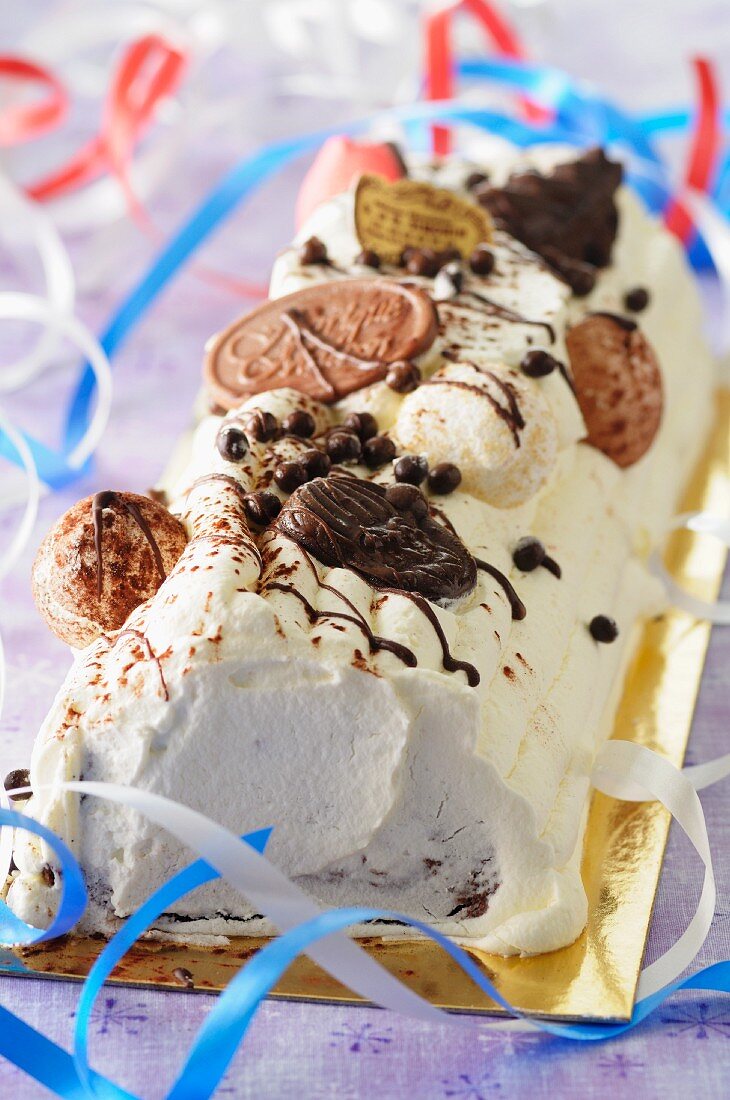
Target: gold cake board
[{"x": 595, "y": 978}]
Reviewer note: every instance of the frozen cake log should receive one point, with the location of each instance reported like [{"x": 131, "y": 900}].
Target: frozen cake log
[{"x": 415, "y": 568}]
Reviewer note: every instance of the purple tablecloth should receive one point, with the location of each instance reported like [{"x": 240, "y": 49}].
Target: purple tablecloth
[{"x": 139, "y": 1038}]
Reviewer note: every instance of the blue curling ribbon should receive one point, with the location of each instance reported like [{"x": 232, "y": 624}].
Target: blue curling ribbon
[
  {"x": 227, "y": 1024},
  {"x": 185, "y": 881}
]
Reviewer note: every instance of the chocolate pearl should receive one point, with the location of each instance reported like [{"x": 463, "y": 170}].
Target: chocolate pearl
[
  {"x": 378, "y": 450},
  {"x": 313, "y": 251},
  {"x": 368, "y": 258},
  {"x": 538, "y": 363},
  {"x": 290, "y": 475},
  {"x": 19, "y": 777},
  {"x": 444, "y": 478},
  {"x": 344, "y": 447},
  {"x": 232, "y": 443},
  {"x": 422, "y": 261},
  {"x": 315, "y": 463},
  {"x": 603, "y": 628},
  {"x": 474, "y": 179},
  {"x": 407, "y": 498},
  {"x": 481, "y": 260},
  {"x": 528, "y": 554},
  {"x": 411, "y": 469},
  {"x": 636, "y": 299},
  {"x": 261, "y": 426},
  {"x": 299, "y": 423},
  {"x": 261, "y": 508},
  {"x": 364, "y": 425},
  {"x": 403, "y": 377}
]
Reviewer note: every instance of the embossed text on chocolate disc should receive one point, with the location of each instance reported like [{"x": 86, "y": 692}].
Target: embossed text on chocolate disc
[{"x": 326, "y": 341}]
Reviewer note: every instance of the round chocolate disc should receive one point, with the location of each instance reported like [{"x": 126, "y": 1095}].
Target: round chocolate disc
[{"x": 326, "y": 341}]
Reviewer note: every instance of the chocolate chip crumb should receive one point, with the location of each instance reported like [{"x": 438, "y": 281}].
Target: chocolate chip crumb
[
  {"x": 411, "y": 469},
  {"x": 18, "y": 778},
  {"x": 368, "y": 258},
  {"x": 261, "y": 508},
  {"x": 363, "y": 424},
  {"x": 636, "y": 299},
  {"x": 603, "y": 628},
  {"x": 403, "y": 377},
  {"x": 344, "y": 447},
  {"x": 378, "y": 450},
  {"x": 313, "y": 251},
  {"x": 444, "y": 478},
  {"x": 49, "y": 878},
  {"x": 300, "y": 423},
  {"x": 481, "y": 260},
  {"x": 232, "y": 443},
  {"x": 184, "y": 977},
  {"x": 538, "y": 363},
  {"x": 261, "y": 426}
]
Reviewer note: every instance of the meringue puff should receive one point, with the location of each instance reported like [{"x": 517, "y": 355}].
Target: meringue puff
[
  {"x": 494, "y": 424},
  {"x": 104, "y": 557}
]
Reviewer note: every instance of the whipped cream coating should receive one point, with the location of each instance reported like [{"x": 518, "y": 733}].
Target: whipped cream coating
[{"x": 258, "y": 699}]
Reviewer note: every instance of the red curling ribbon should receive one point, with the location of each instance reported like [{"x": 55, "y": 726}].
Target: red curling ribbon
[
  {"x": 150, "y": 70},
  {"x": 25, "y": 121},
  {"x": 439, "y": 75},
  {"x": 704, "y": 148}
]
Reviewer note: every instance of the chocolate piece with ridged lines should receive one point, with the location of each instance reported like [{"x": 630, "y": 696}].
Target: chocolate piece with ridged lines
[{"x": 348, "y": 522}]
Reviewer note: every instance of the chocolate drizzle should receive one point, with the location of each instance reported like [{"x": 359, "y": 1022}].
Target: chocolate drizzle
[
  {"x": 517, "y": 607},
  {"x": 494, "y": 309},
  {"x": 510, "y": 413},
  {"x": 348, "y": 522},
  {"x": 375, "y": 641},
  {"x": 567, "y": 216},
  {"x": 107, "y": 499},
  {"x": 449, "y": 662}
]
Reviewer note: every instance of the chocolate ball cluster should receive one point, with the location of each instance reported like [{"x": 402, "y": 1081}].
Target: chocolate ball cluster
[{"x": 356, "y": 440}]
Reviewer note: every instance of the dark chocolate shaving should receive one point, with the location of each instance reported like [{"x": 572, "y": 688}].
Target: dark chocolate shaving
[
  {"x": 568, "y": 216},
  {"x": 347, "y": 522}
]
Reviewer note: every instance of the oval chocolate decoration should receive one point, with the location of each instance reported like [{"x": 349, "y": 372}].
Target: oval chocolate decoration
[
  {"x": 326, "y": 341},
  {"x": 348, "y": 522}
]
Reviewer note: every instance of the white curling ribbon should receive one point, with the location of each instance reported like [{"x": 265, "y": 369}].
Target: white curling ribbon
[
  {"x": 28, "y": 307},
  {"x": 705, "y": 523},
  {"x": 18, "y": 212},
  {"x": 32, "y": 498},
  {"x": 634, "y": 773},
  {"x": 270, "y": 892}
]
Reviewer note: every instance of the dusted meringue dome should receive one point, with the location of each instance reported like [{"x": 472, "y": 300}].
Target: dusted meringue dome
[
  {"x": 618, "y": 385},
  {"x": 495, "y": 425},
  {"x": 103, "y": 558}
]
